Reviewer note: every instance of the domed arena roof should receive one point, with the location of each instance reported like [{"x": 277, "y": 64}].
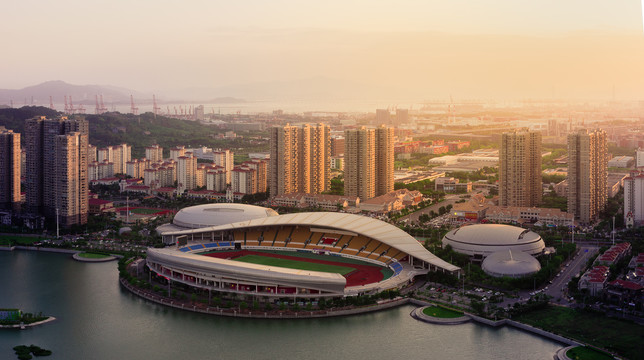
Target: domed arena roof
[
  {"x": 485, "y": 239},
  {"x": 510, "y": 263},
  {"x": 207, "y": 215}
]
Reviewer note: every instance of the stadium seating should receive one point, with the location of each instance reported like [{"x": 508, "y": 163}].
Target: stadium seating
[
  {"x": 357, "y": 242},
  {"x": 396, "y": 267}
]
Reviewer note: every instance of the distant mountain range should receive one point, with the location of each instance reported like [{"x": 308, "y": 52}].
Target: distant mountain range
[{"x": 86, "y": 95}]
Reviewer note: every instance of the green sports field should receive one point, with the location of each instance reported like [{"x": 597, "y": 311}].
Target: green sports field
[
  {"x": 293, "y": 264},
  {"x": 144, "y": 211}
]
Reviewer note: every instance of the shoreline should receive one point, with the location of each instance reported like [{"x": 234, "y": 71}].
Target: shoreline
[
  {"x": 25, "y": 326},
  {"x": 60, "y": 251},
  {"x": 78, "y": 257},
  {"x": 260, "y": 314}
]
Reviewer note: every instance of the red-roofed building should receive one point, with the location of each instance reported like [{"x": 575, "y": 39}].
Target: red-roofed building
[
  {"x": 594, "y": 280},
  {"x": 168, "y": 192},
  {"x": 613, "y": 255},
  {"x": 97, "y": 206},
  {"x": 106, "y": 181},
  {"x": 624, "y": 292},
  {"x": 636, "y": 261},
  {"x": 138, "y": 189}
]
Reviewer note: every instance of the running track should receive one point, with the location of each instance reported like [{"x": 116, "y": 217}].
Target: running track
[{"x": 362, "y": 275}]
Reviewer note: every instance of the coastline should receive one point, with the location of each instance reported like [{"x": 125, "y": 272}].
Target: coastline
[
  {"x": 77, "y": 257},
  {"x": 25, "y": 326},
  {"x": 259, "y": 314}
]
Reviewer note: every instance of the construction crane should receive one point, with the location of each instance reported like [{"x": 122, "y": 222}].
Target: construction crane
[
  {"x": 71, "y": 105},
  {"x": 97, "y": 109},
  {"x": 155, "y": 108},
  {"x": 102, "y": 108},
  {"x": 133, "y": 108}
]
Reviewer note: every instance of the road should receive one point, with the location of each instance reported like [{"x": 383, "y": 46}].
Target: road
[
  {"x": 573, "y": 268},
  {"x": 413, "y": 217}
]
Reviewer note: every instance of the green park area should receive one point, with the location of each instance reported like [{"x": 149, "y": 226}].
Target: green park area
[
  {"x": 619, "y": 336},
  {"x": 144, "y": 211},
  {"x": 586, "y": 353},
  {"x": 294, "y": 264},
  {"x": 6, "y": 240},
  {"x": 93, "y": 255},
  {"x": 441, "y": 312}
]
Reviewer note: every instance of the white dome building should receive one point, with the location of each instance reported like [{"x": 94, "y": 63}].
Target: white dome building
[
  {"x": 512, "y": 264},
  {"x": 202, "y": 216},
  {"x": 481, "y": 240}
]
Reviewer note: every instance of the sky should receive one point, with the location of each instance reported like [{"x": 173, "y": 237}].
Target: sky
[{"x": 405, "y": 49}]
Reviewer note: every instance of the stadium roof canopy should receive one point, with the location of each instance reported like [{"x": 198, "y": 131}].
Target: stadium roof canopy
[
  {"x": 219, "y": 214},
  {"x": 370, "y": 227},
  {"x": 493, "y": 234}
]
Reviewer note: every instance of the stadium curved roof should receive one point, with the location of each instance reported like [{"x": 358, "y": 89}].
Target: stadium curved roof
[
  {"x": 370, "y": 227},
  {"x": 218, "y": 214},
  {"x": 492, "y": 234},
  {"x": 485, "y": 239}
]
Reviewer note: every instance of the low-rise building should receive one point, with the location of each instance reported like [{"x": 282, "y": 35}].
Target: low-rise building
[
  {"x": 97, "y": 206},
  {"x": 614, "y": 254},
  {"x": 531, "y": 215},
  {"x": 450, "y": 185},
  {"x": 392, "y": 201},
  {"x": 561, "y": 188},
  {"x": 623, "y": 292},
  {"x": 621, "y": 161},
  {"x": 473, "y": 209},
  {"x": 325, "y": 202},
  {"x": 594, "y": 280}
]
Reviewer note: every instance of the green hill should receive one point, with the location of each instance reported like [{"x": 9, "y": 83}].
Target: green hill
[{"x": 137, "y": 130}]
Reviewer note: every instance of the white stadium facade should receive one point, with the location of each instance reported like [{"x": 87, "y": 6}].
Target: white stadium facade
[
  {"x": 327, "y": 235},
  {"x": 481, "y": 240}
]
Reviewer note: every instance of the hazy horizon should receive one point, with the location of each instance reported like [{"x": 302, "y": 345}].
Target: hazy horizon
[{"x": 365, "y": 50}]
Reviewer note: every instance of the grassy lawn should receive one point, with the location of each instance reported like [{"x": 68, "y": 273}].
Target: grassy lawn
[
  {"x": 585, "y": 353},
  {"x": 20, "y": 240},
  {"x": 294, "y": 264},
  {"x": 310, "y": 255},
  {"x": 441, "y": 312},
  {"x": 92, "y": 255},
  {"x": 619, "y": 336},
  {"x": 144, "y": 211}
]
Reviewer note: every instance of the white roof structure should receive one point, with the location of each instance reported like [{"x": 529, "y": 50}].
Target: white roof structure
[
  {"x": 369, "y": 227},
  {"x": 218, "y": 214},
  {"x": 485, "y": 239},
  {"x": 511, "y": 264}
]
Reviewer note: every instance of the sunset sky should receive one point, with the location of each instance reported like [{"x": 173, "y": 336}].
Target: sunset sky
[{"x": 403, "y": 49}]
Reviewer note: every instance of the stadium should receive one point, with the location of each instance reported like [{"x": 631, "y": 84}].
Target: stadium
[
  {"x": 249, "y": 250},
  {"x": 480, "y": 240}
]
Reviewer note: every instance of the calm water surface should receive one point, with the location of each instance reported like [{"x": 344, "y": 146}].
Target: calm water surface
[{"x": 99, "y": 320}]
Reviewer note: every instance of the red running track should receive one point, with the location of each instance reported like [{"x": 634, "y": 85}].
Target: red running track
[{"x": 363, "y": 274}]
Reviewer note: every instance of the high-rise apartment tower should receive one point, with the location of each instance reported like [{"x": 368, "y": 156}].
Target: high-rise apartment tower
[
  {"x": 56, "y": 169},
  {"x": 587, "y": 174},
  {"x": 300, "y": 159},
  {"x": 520, "y": 169}
]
